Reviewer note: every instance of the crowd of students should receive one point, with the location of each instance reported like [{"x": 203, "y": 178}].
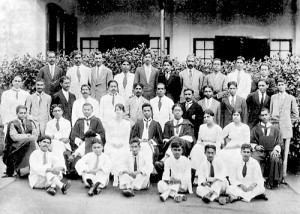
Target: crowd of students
[{"x": 185, "y": 129}]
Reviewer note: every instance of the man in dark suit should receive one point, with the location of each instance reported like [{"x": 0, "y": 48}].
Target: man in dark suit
[
  {"x": 192, "y": 111},
  {"x": 51, "y": 73},
  {"x": 149, "y": 132},
  {"x": 264, "y": 74},
  {"x": 171, "y": 80},
  {"x": 231, "y": 103},
  {"x": 65, "y": 98},
  {"x": 257, "y": 101},
  {"x": 148, "y": 76}
]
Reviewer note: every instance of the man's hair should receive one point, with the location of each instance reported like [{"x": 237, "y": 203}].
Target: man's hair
[
  {"x": 111, "y": 81},
  {"x": 138, "y": 83},
  {"x": 209, "y": 146},
  {"x": 76, "y": 52},
  {"x": 147, "y": 105},
  {"x": 96, "y": 140},
  {"x": 232, "y": 83},
  {"x": 264, "y": 64},
  {"x": 188, "y": 89},
  {"x": 97, "y": 53},
  {"x": 176, "y": 105},
  {"x": 51, "y": 52},
  {"x": 53, "y": 106},
  {"x": 176, "y": 144},
  {"x": 125, "y": 60},
  {"x": 246, "y": 146},
  {"x": 20, "y": 107},
  {"x": 63, "y": 78},
  {"x": 168, "y": 61},
  {"x": 263, "y": 80},
  {"x": 217, "y": 59},
  {"x": 190, "y": 56},
  {"x": 280, "y": 80},
  {"x": 241, "y": 58},
  {"x": 43, "y": 137},
  {"x": 87, "y": 104},
  {"x": 210, "y": 112},
  {"x": 39, "y": 80},
  {"x": 147, "y": 53},
  {"x": 161, "y": 84},
  {"x": 85, "y": 85},
  {"x": 264, "y": 109},
  {"x": 207, "y": 86},
  {"x": 134, "y": 140}
]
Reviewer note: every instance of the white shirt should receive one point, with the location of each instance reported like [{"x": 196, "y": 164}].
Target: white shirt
[
  {"x": 175, "y": 122},
  {"x": 77, "y": 108},
  {"x": 208, "y": 102},
  {"x": 64, "y": 128},
  {"x": 230, "y": 99},
  {"x": 147, "y": 72},
  {"x": 127, "y": 91},
  {"x": 52, "y": 69},
  {"x": 260, "y": 95},
  {"x": 145, "y": 131},
  {"x": 66, "y": 94},
  {"x": 188, "y": 104}
]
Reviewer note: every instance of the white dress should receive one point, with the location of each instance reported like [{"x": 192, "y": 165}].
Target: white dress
[
  {"x": 206, "y": 136},
  {"x": 238, "y": 135}
]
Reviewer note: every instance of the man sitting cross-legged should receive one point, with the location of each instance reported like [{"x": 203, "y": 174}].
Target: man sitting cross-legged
[
  {"x": 211, "y": 176},
  {"x": 176, "y": 177},
  {"x": 45, "y": 169},
  {"x": 134, "y": 173}
]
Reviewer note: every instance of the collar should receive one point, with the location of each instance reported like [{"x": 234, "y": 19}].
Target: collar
[
  {"x": 14, "y": 89},
  {"x": 41, "y": 94},
  {"x": 267, "y": 125},
  {"x": 147, "y": 66},
  {"x": 63, "y": 91},
  {"x": 232, "y": 96},
  {"x": 149, "y": 120},
  {"x": 115, "y": 94},
  {"x": 190, "y": 103},
  {"x": 241, "y": 71},
  {"x": 175, "y": 121},
  {"x": 89, "y": 118},
  {"x": 210, "y": 99},
  {"x": 51, "y": 65}
]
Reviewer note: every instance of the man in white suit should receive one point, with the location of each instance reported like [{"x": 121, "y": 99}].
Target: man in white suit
[
  {"x": 162, "y": 106},
  {"x": 79, "y": 74},
  {"x": 191, "y": 78},
  {"x": 243, "y": 79},
  {"x": 100, "y": 76},
  {"x": 125, "y": 80}
]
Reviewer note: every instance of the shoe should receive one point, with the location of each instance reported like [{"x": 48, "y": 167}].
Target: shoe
[
  {"x": 268, "y": 186},
  {"x": 262, "y": 196},
  {"x": 233, "y": 198},
  {"x": 128, "y": 193},
  {"x": 97, "y": 189},
  {"x": 223, "y": 200},
  {"x": 284, "y": 182},
  {"x": 180, "y": 197},
  {"x": 205, "y": 199},
  {"x": 51, "y": 191},
  {"x": 91, "y": 191},
  {"x": 162, "y": 198},
  {"x": 65, "y": 187},
  {"x": 90, "y": 182}
]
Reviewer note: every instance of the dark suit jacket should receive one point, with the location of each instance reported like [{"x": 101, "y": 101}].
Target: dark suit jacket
[
  {"x": 173, "y": 85},
  {"x": 194, "y": 109},
  {"x": 52, "y": 85},
  {"x": 271, "y": 89},
  {"x": 149, "y": 88},
  {"x": 254, "y": 107},
  {"x": 226, "y": 110},
  {"x": 59, "y": 98},
  {"x": 78, "y": 130}
]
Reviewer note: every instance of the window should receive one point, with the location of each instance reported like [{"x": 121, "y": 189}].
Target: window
[
  {"x": 154, "y": 44},
  {"x": 204, "y": 49},
  {"x": 89, "y": 44},
  {"x": 281, "y": 47}
]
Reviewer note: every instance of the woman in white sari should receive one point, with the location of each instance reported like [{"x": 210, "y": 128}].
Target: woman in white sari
[{"x": 117, "y": 133}]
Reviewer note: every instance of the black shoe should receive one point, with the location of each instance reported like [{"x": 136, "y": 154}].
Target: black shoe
[
  {"x": 128, "y": 193},
  {"x": 51, "y": 191},
  {"x": 91, "y": 191},
  {"x": 205, "y": 200},
  {"x": 90, "y": 182},
  {"x": 262, "y": 196},
  {"x": 97, "y": 189},
  {"x": 65, "y": 187},
  {"x": 284, "y": 182}
]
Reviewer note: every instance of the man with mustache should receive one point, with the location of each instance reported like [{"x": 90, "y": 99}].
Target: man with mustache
[{"x": 86, "y": 98}]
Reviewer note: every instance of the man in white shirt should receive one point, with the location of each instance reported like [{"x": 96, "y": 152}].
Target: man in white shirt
[
  {"x": 109, "y": 101},
  {"x": 125, "y": 80},
  {"x": 79, "y": 74},
  {"x": 10, "y": 99},
  {"x": 243, "y": 79},
  {"x": 162, "y": 106},
  {"x": 86, "y": 98}
]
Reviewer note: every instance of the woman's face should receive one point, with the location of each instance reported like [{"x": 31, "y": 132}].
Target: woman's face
[
  {"x": 119, "y": 112},
  {"x": 236, "y": 117},
  {"x": 208, "y": 119}
]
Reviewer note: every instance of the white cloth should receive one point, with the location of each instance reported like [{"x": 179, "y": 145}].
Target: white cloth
[
  {"x": 127, "y": 91},
  {"x": 38, "y": 176},
  {"x": 9, "y": 103},
  {"x": 208, "y": 102},
  {"x": 66, "y": 94},
  {"x": 145, "y": 134},
  {"x": 77, "y": 108},
  {"x": 165, "y": 113},
  {"x": 244, "y": 86},
  {"x": 147, "y": 72}
]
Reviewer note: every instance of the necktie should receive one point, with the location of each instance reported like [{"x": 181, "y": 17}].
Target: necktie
[
  {"x": 244, "y": 172},
  {"x": 167, "y": 75},
  {"x": 57, "y": 124},
  {"x": 40, "y": 100},
  {"x": 113, "y": 100},
  {"x": 23, "y": 125},
  {"x": 87, "y": 121},
  {"x": 147, "y": 124},
  {"x": 212, "y": 171},
  {"x": 177, "y": 127},
  {"x": 191, "y": 77},
  {"x": 187, "y": 105},
  {"x": 45, "y": 158},
  {"x": 97, "y": 72},
  {"x": 262, "y": 99},
  {"x": 232, "y": 101},
  {"x": 159, "y": 104},
  {"x": 239, "y": 77},
  {"x": 265, "y": 130},
  {"x": 135, "y": 164},
  {"x": 17, "y": 94},
  {"x": 78, "y": 74},
  {"x": 96, "y": 163},
  {"x": 125, "y": 80},
  {"x": 52, "y": 71}
]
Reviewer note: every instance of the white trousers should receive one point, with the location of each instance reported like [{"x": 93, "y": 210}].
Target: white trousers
[
  {"x": 247, "y": 196},
  {"x": 162, "y": 186},
  {"x": 137, "y": 183},
  {"x": 100, "y": 177},
  {"x": 217, "y": 187},
  {"x": 38, "y": 181}
]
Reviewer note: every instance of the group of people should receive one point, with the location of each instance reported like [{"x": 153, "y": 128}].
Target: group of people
[{"x": 229, "y": 135}]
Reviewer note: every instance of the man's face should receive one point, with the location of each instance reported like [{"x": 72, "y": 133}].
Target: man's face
[
  {"x": 97, "y": 148},
  {"x": 21, "y": 114},
  {"x": 77, "y": 60},
  {"x": 167, "y": 67},
  {"x": 262, "y": 86},
  {"x": 265, "y": 116},
  {"x": 125, "y": 66},
  {"x": 138, "y": 91},
  {"x": 177, "y": 152},
  {"x": 208, "y": 93},
  {"x": 87, "y": 110},
  {"x": 239, "y": 64},
  {"x": 161, "y": 90},
  {"x": 57, "y": 112},
  {"x": 39, "y": 86},
  {"x": 188, "y": 95},
  {"x": 217, "y": 65},
  {"x": 51, "y": 58},
  {"x": 246, "y": 153},
  {"x": 135, "y": 148},
  {"x": 66, "y": 84},
  {"x": 45, "y": 145},
  {"x": 177, "y": 112},
  {"x": 210, "y": 154},
  {"x": 17, "y": 82},
  {"x": 264, "y": 71},
  {"x": 113, "y": 88},
  {"x": 85, "y": 91},
  {"x": 281, "y": 86},
  {"x": 98, "y": 59},
  {"x": 147, "y": 112},
  {"x": 147, "y": 59},
  {"x": 190, "y": 62},
  {"x": 232, "y": 90}
]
